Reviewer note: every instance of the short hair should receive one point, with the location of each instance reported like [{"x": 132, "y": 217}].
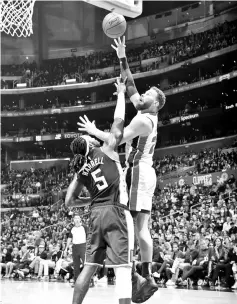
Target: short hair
[
  {"x": 37, "y": 232},
  {"x": 160, "y": 97}
]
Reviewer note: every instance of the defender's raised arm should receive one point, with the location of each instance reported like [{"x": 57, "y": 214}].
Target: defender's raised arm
[{"x": 113, "y": 138}]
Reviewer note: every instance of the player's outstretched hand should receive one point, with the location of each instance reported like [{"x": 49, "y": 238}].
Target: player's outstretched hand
[
  {"x": 119, "y": 47},
  {"x": 86, "y": 125},
  {"x": 120, "y": 85}
]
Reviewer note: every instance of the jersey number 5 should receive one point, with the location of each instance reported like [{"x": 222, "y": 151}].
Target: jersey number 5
[{"x": 100, "y": 181}]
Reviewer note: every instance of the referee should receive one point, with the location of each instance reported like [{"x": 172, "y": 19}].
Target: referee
[{"x": 77, "y": 236}]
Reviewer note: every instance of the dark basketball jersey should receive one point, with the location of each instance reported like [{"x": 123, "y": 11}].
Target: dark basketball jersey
[{"x": 104, "y": 179}]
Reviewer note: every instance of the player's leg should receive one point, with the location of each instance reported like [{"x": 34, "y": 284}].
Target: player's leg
[
  {"x": 76, "y": 260},
  {"x": 95, "y": 255},
  {"x": 83, "y": 282},
  {"x": 142, "y": 186},
  {"x": 123, "y": 284},
  {"x": 82, "y": 252},
  {"x": 119, "y": 235},
  {"x": 145, "y": 241}
]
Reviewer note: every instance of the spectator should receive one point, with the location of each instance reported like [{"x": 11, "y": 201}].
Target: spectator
[
  {"x": 199, "y": 264},
  {"x": 13, "y": 263},
  {"x": 233, "y": 262},
  {"x": 34, "y": 265},
  {"x": 45, "y": 264},
  {"x": 227, "y": 225}
]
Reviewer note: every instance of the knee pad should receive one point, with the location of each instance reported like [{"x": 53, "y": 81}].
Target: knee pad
[{"x": 123, "y": 282}]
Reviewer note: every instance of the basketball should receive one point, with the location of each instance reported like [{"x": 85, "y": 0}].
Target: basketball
[{"x": 114, "y": 25}]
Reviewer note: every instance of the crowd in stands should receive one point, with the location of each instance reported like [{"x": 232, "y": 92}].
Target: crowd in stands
[
  {"x": 49, "y": 127},
  {"x": 20, "y": 185},
  {"x": 33, "y": 244},
  {"x": 204, "y": 162},
  {"x": 195, "y": 232},
  {"x": 44, "y": 182},
  {"x": 54, "y": 102},
  {"x": 56, "y": 71},
  {"x": 194, "y": 229}
]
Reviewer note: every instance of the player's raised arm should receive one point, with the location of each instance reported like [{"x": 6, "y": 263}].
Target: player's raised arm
[
  {"x": 113, "y": 138},
  {"x": 116, "y": 132},
  {"x": 125, "y": 72}
]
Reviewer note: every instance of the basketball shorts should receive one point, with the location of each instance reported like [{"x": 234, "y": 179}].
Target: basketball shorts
[
  {"x": 111, "y": 237},
  {"x": 141, "y": 183}
]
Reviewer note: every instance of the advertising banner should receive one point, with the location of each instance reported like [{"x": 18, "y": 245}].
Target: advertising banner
[
  {"x": 198, "y": 180},
  {"x": 21, "y": 165},
  {"x": 23, "y": 139},
  {"x": 59, "y": 111},
  {"x": 7, "y": 139},
  {"x": 59, "y": 136},
  {"x": 225, "y": 151},
  {"x": 230, "y": 107}
]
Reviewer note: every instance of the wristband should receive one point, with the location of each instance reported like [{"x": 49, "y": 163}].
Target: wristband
[{"x": 124, "y": 63}]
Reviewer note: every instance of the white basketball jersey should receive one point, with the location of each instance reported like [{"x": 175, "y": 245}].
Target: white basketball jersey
[{"x": 141, "y": 148}]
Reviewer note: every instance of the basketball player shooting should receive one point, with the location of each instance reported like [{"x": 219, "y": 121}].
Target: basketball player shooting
[
  {"x": 111, "y": 229},
  {"x": 140, "y": 137}
]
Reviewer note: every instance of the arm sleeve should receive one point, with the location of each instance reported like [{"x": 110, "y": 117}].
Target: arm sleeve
[
  {"x": 130, "y": 85},
  {"x": 125, "y": 71}
]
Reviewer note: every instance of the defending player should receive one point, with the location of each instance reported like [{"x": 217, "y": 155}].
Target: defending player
[
  {"x": 112, "y": 233},
  {"x": 140, "y": 136}
]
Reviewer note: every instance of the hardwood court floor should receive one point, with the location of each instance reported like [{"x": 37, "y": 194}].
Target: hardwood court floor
[{"x": 33, "y": 292}]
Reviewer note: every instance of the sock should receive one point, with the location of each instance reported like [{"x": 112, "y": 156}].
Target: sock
[
  {"x": 125, "y": 301},
  {"x": 146, "y": 269}
]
